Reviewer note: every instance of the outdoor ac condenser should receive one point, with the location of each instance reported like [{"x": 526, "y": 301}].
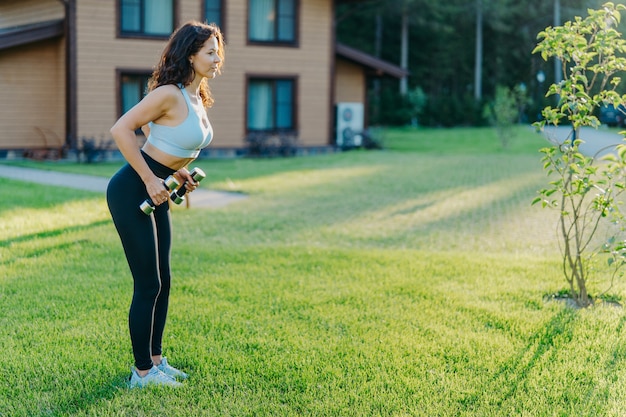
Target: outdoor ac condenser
[{"x": 349, "y": 125}]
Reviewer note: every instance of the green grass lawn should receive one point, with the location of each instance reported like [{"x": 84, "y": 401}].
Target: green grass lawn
[{"x": 404, "y": 282}]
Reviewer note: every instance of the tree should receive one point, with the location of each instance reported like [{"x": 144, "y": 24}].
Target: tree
[
  {"x": 478, "y": 65},
  {"x": 504, "y": 111},
  {"x": 443, "y": 52},
  {"x": 586, "y": 189}
]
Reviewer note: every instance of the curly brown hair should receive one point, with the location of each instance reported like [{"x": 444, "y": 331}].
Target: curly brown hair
[{"x": 174, "y": 66}]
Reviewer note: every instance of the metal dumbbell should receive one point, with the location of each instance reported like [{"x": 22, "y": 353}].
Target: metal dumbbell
[
  {"x": 170, "y": 183},
  {"x": 178, "y": 196}
]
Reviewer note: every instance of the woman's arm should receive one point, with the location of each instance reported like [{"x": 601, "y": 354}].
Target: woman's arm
[{"x": 157, "y": 104}]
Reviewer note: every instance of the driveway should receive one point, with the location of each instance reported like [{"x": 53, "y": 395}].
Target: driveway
[
  {"x": 201, "y": 197},
  {"x": 596, "y": 142}
]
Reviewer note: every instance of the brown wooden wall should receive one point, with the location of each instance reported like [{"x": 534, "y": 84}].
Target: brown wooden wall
[
  {"x": 32, "y": 108},
  {"x": 32, "y": 81},
  {"x": 349, "y": 82},
  {"x": 23, "y": 12}
]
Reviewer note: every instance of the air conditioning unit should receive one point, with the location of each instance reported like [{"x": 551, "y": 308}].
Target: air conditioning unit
[{"x": 349, "y": 125}]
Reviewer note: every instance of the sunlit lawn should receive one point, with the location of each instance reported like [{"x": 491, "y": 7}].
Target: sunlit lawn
[{"x": 408, "y": 281}]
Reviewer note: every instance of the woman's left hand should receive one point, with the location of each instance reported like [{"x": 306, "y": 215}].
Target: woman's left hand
[{"x": 185, "y": 177}]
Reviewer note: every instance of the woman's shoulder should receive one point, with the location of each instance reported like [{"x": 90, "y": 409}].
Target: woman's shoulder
[
  {"x": 167, "y": 90},
  {"x": 167, "y": 95}
]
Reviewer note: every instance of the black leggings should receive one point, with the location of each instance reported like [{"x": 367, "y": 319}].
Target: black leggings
[{"x": 147, "y": 242}]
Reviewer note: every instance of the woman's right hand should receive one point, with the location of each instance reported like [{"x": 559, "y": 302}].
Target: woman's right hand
[{"x": 156, "y": 190}]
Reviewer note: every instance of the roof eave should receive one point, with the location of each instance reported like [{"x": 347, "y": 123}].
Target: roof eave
[
  {"x": 22, "y": 35},
  {"x": 379, "y": 66}
]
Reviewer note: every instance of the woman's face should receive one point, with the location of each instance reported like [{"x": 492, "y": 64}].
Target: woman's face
[{"x": 206, "y": 61}]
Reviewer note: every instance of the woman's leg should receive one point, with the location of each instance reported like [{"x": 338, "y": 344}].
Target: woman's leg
[
  {"x": 139, "y": 238},
  {"x": 164, "y": 243}
]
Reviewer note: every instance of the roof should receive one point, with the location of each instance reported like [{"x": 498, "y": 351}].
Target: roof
[
  {"x": 21, "y": 35},
  {"x": 378, "y": 65}
]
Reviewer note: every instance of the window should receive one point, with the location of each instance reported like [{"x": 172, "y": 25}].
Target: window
[
  {"x": 213, "y": 12},
  {"x": 272, "y": 21},
  {"x": 271, "y": 105},
  {"x": 152, "y": 18},
  {"x": 133, "y": 87}
]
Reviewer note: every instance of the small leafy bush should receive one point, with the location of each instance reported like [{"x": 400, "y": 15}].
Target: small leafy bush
[{"x": 585, "y": 188}]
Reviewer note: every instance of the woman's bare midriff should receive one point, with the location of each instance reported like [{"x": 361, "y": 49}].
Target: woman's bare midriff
[{"x": 166, "y": 159}]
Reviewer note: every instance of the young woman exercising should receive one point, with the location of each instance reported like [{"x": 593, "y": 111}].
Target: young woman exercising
[{"x": 173, "y": 116}]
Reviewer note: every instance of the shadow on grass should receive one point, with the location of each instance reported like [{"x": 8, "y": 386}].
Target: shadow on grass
[
  {"x": 38, "y": 252},
  {"x": 613, "y": 365},
  {"x": 34, "y": 254},
  {"x": 92, "y": 397},
  {"x": 18, "y": 195},
  {"x": 52, "y": 233},
  {"x": 514, "y": 372}
]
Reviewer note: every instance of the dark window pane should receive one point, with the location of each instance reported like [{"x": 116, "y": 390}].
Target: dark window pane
[
  {"x": 260, "y": 111},
  {"x": 131, "y": 15},
  {"x": 130, "y": 93},
  {"x": 262, "y": 17},
  {"x": 270, "y": 104},
  {"x": 284, "y": 105},
  {"x": 133, "y": 88},
  {"x": 158, "y": 17},
  {"x": 150, "y": 17},
  {"x": 213, "y": 11},
  {"x": 272, "y": 20},
  {"x": 286, "y": 20}
]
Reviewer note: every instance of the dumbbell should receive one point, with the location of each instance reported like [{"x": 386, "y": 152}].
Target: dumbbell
[
  {"x": 178, "y": 196},
  {"x": 170, "y": 183}
]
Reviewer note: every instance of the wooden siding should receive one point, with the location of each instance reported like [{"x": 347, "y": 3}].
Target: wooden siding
[
  {"x": 32, "y": 109},
  {"x": 100, "y": 53},
  {"x": 23, "y": 12},
  {"x": 349, "y": 82}
]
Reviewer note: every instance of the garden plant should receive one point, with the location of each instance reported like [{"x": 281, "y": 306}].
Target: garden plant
[{"x": 585, "y": 189}]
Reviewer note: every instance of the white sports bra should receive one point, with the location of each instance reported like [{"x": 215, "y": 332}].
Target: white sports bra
[{"x": 186, "y": 139}]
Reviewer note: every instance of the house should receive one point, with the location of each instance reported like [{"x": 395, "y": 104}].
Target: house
[{"x": 69, "y": 69}]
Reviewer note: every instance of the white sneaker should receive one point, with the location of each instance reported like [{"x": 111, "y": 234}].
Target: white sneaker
[
  {"x": 170, "y": 370},
  {"x": 154, "y": 377}
]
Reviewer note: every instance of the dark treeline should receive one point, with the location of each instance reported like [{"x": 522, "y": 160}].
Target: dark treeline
[{"x": 442, "y": 54}]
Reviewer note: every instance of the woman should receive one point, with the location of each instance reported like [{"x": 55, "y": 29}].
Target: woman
[{"x": 174, "y": 111}]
